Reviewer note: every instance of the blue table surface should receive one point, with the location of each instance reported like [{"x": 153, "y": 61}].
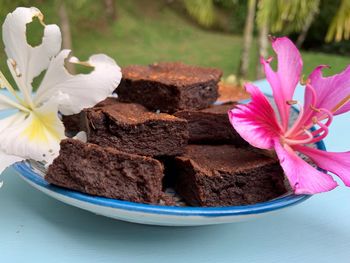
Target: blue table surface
[{"x": 37, "y": 228}]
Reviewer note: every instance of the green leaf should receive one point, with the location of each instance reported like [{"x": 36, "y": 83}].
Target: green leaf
[
  {"x": 201, "y": 10},
  {"x": 339, "y": 28}
]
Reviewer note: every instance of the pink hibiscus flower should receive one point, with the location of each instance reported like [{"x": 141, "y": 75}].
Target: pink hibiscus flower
[{"x": 325, "y": 97}]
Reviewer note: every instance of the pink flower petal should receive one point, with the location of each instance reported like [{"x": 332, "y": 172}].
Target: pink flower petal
[
  {"x": 256, "y": 121},
  {"x": 284, "y": 81},
  {"x": 337, "y": 163},
  {"x": 330, "y": 90},
  {"x": 303, "y": 178}
]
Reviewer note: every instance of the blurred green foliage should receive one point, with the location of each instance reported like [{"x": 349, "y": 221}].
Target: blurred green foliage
[
  {"x": 340, "y": 26},
  {"x": 285, "y": 16},
  {"x": 155, "y": 32},
  {"x": 331, "y": 19},
  {"x": 202, "y": 10},
  {"x": 315, "y": 39}
]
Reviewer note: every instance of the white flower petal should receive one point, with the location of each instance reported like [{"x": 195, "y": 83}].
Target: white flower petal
[
  {"x": 5, "y": 102},
  {"x": 84, "y": 90},
  {"x": 27, "y": 61},
  {"x": 13, "y": 119},
  {"x": 34, "y": 135},
  {"x": 7, "y": 160}
]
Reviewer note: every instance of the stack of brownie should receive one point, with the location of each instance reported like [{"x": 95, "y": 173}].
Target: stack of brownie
[{"x": 164, "y": 131}]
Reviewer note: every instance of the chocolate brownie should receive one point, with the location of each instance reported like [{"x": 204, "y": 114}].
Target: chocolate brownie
[
  {"x": 230, "y": 92},
  {"x": 224, "y": 175},
  {"x": 106, "y": 172},
  {"x": 72, "y": 123},
  {"x": 169, "y": 87},
  {"x": 132, "y": 128},
  {"x": 211, "y": 125},
  {"x": 106, "y": 102}
]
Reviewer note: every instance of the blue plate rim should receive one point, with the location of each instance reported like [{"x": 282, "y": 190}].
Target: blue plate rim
[{"x": 24, "y": 169}]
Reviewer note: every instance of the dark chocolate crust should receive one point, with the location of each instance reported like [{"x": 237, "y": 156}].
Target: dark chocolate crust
[
  {"x": 106, "y": 172},
  {"x": 211, "y": 125},
  {"x": 224, "y": 175},
  {"x": 230, "y": 92},
  {"x": 169, "y": 87},
  {"x": 72, "y": 123},
  {"x": 132, "y": 128}
]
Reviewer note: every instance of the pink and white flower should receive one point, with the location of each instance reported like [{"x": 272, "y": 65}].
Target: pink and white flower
[
  {"x": 33, "y": 130},
  {"x": 325, "y": 97}
]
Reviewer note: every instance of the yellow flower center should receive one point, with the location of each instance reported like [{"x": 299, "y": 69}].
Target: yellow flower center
[{"x": 42, "y": 127}]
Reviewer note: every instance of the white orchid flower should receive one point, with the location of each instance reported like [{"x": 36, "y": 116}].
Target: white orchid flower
[{"x": 33, "y": 129}]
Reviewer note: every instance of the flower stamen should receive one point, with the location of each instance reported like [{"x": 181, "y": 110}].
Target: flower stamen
[
  {"x": 303, "y": 81},
  {"x": 12, "y": 103},
  {"x": 313, "y": 101},
  {"x": 315, "y": 109},
  {"x": 317, "y": 120},
  {"x": 20, "y": 83},
  {"x": 301, "y": 117},
  {"x": 15, "y": 68},
  {"x": 327, "y": 115},
  {"x": 298, "y": 120},
  {"x": 313, "y": 92},
  {"x": 40, "y": 16},
  {"x": 292, "y": 102},
  {"x": 341, "y": 104},
  {"x": 5, "y": 84},
  {"x": 304, "y": 141},
  {"x": 318, "y": 133}
]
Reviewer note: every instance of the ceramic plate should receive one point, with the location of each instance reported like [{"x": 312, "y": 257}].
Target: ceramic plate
[
  {"x": 32, "y": 173},
  {"x": 153, "y": 214}
]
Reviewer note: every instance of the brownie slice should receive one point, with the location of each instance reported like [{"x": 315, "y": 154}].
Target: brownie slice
[
  {"x": 211, "y": 125},
  {"x": 106, "y": 172},
  {"x": 169, "y": 87},
  {"x": 224, "y": 175},
  {"x": 230, "y": 92},
  {"x": 72, "y": 123},
  {"x": 132, "y": 128}
]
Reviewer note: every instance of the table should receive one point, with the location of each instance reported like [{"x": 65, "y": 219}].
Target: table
[{"x": 37, "y": 228}]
